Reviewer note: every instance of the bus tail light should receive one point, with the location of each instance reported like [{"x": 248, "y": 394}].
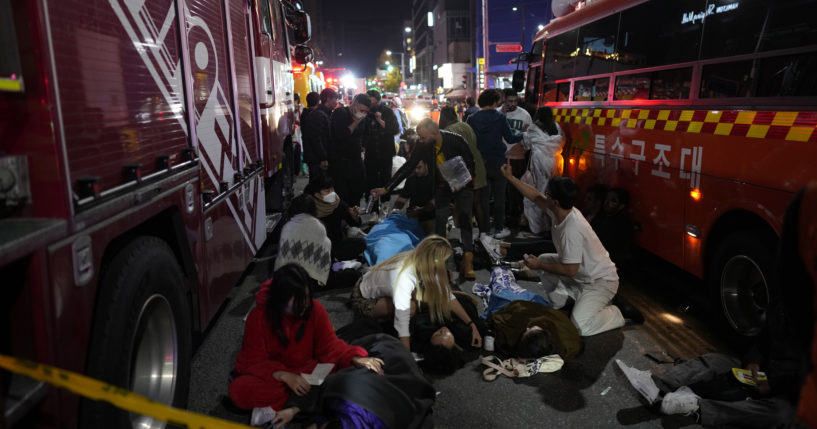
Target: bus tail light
[{"x": 695, "y": 194}]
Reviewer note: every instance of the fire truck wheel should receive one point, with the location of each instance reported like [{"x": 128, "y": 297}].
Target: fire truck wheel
[
  {"x": 742, "y": 283},
  {"x": 141, "y": 338}
]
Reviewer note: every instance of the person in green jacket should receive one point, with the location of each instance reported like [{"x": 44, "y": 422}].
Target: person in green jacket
[
  {"x": 449, "y": 121},
  {"x": 530, "y": 330}
]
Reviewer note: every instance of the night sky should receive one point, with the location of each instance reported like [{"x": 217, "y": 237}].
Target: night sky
[{"x": 365, "y": 28}]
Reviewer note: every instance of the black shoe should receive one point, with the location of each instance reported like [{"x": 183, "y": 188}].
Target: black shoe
[{"x": 628, "y": 311}]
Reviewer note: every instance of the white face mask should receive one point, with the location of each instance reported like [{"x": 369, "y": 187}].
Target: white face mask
[
  {"x": 360, "y": 115},
  {"x": 330, "y": 197}
]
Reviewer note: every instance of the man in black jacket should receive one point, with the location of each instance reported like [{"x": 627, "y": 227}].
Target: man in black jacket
[
  {"x": 441, "y": 146},
  {"x": 316, "y": 132},
  {"x": 379, "y": 145},
  {"x": 345, "y": 162}
]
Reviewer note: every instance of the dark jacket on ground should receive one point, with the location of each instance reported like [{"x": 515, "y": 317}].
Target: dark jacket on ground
[
  {"x": 491, "y": 127},
  {"x": 346, "y": 146},
  {"x": 315, "y": 130},
  {"x": 511, "y": 321},
  {"x": 453, "y": 145}
]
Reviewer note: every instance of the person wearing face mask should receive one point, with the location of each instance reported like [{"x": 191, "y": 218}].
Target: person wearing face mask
[
  {"x": 348, "y": 130},
  {"x": 288, "y": 333},
  {"x": 379, "y": 144},
  {"x": 333, "y": 212},
  {"x": 396, "y": 287}
]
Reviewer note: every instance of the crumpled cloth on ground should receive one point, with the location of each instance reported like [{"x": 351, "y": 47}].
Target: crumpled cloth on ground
[
  {"x": 397, "y": 233},
  {"x": 346, "y": 265},
  {"x": 502, "y": 290}
]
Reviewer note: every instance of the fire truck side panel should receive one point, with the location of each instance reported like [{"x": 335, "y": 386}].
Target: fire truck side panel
[
  {"x": 242, "y": 62},
  {"x": 28, "y": 118},
  {"x": 108, "y": 56}
]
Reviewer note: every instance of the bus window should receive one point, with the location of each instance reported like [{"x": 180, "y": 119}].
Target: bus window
[
  {"x": 560, "y": 54},
  {"x": 791, "y": 24},
  {"x": 563, "y": 90},
  {"x": 670, "y": 84},
  {"x": 591, "y": 89},
  {"x": 726, "y": 80},
  {"x": 733, "y": 30},
  {"x": 788, "y": 76},
  {"x": 532, "y": 90},
  {"x": 658, "y": 33},
  {"x": 596, "y": 44},
  {"x": 537, "y": 51},
  {"x": 633, "y": 87}
]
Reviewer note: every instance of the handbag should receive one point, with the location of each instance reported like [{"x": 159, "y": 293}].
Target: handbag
[
  {"x": 514, "y": 367},
  {"x": 527, "y": 178}
]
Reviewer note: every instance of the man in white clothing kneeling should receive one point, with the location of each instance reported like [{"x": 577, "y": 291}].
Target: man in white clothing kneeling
[{"x": 581, "y": 268}]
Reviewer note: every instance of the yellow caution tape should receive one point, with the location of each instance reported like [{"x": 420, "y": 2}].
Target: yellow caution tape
[{"x": 119, "y": 397}]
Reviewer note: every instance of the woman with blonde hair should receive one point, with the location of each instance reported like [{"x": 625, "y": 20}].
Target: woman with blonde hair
[{"x": 396, "y": 286}]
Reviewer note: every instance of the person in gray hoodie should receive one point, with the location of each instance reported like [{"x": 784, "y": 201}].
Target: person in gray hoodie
[{"x": 491, "y": 126}]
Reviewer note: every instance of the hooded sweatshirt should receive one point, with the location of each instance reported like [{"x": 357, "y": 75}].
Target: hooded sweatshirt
[
  {"x": 491, "y": 127},
  {"x": 262, "y": 353}
]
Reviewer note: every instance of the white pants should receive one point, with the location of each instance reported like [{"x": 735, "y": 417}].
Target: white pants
[{"x": 592, "y": 313}]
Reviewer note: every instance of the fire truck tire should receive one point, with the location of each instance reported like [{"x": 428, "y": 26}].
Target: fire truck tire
[
  {"x": 742, "y": 283},
  {"x": 141, "y": 338}
]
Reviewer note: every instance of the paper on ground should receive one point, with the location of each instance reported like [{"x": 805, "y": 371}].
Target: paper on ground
[
  {"x": 641, "y": 380},
  {"x": 318, "y": 374}
]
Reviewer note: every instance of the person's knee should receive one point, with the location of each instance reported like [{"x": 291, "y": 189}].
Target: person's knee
[{"x": 584, "y": 323}]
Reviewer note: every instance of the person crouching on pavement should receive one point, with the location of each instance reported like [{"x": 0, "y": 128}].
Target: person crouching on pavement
[
  {"x": 286, "y": 334},
  {"x": 333, "y": 211},
  {"x": 395, "y": 287},
  {"x": 419, "y": 191},
  {"x": 581, "y": 268}
]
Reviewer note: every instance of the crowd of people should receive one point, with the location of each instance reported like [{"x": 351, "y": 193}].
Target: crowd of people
[{"x": 411, "y": 319}]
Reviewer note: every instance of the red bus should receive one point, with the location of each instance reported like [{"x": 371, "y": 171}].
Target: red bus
[
  {"x": 704, "y": 110},
  {"x": 137, "y": 144}
]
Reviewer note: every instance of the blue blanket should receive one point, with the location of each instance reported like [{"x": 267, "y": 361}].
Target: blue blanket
[{"x": 395, "y": 234}]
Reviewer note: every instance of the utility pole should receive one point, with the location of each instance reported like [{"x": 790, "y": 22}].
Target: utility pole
[{"x": 485, "y": 46}]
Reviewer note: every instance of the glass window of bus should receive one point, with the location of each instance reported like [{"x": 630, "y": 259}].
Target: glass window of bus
[
  {"x": 591, "y": 89},
  {"x": 537, "y": 51},
  {"x": 658, "y": 33},
  {"x": 563, "y": 91},
  {"x": 788, "y": 76},
  {"x": 670, "y": 84},
  {"x": 791, "y": 24},
  {"x": 596, "y": 45},
  {"x": 732, "y": 27},
  {"x": 532, "y": 89},
  {"x": 633, "y": 87},
  {"x": 560, "y": 55},
  {"x": 726, "y": 80}
]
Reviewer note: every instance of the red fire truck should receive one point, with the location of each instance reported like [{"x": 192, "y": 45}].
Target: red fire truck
[
  {"x": 136, "y": 138},
  {"x": 705, "y": 111}
]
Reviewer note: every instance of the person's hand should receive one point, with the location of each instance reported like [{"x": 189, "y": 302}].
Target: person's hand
[
  {"x": 413, "y": 211},
  {"x": 324, "y": 165},
  {"x": 354, "y": 211},
  {"x": 762, "y": 386},
  {"x": 378, "y": 116},
  {"x": 476, "y": 338},
  {"x": 533, "y": 262},
  {"x": 506, "y": 169},
  {"x": 284, "y": 416},
  {"x": 370, "y": 363},
  {"x": 378, "y": 192},
  {"x": 298, "y": 384},
  {"x": 504, "y": 246}
]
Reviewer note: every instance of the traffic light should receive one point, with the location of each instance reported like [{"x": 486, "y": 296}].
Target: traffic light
[{"x": 464, "y": 81}]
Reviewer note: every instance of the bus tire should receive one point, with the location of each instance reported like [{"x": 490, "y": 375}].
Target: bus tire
[
  {"x": 742, "y": 283},
  {"x": 141, "y": 338}
]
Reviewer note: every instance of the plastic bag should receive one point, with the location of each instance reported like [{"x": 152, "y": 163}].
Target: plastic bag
[{"x": 456, "y": 173}]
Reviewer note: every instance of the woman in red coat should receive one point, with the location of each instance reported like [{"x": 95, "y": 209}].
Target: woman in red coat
[{"x": 286, "y": 334}]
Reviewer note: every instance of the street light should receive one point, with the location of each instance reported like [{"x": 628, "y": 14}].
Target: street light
[
  {"x": 402, "y": 63},
  {"x": 407, "y": 29}
]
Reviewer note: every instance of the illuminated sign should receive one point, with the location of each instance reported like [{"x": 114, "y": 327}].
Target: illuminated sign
[
  {"x": 692, "y": 17},
  {"x": 481, "y": 72},
  {"x": 509, "y": 48}
]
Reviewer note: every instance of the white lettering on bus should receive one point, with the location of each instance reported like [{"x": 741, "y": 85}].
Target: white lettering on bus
[
  {"x": 640, "y": 156},
  {"x": 600, "y": 147},
  {"x": 694, "y": 175},
  {"x": 661, "y": 161},
  {"x": 692, "y": 17}
]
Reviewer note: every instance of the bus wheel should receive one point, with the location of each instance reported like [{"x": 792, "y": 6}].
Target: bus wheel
[
  {"x": 141, "y": 338},
  {"x": 742, "y": 282}
]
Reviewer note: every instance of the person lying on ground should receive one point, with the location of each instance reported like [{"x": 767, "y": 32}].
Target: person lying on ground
[
  {"x": 395, "y": 287},
  {"x": 581, "y": 268},
  {"x": 286, "y": 334},
  {"x": 530, "y": 330}
]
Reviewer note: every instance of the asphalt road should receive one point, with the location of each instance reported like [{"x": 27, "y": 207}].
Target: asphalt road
[{"x": 589, "y": 393}]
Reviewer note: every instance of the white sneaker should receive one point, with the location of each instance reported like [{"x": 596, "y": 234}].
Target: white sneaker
[
  {"x": 682, "y": 401},
  {"x": 640, "y": 380},
  {"x": 503, "y": 234},
  {"x": 491, "y": 246}
]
